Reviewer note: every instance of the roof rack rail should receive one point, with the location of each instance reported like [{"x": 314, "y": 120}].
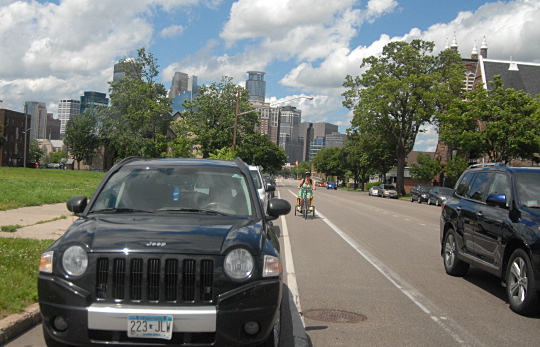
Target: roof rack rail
[{"x": 486, "y": 165}]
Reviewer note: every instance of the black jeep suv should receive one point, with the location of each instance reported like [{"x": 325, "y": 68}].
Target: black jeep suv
[
  {"x": 167, "y": 252},
  {"x": 492, "y": 221}
]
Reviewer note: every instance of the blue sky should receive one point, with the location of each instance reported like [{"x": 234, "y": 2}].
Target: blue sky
[{"x": 53, "y": 50}]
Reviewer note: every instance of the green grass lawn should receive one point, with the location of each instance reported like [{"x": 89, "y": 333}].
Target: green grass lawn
[
  {"x": 19, "y": 258},
  {"x": 21, "y": 187},
  {"x": 19, "y": 261}
]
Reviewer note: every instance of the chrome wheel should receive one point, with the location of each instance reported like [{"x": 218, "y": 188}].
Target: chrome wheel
[
  {"x": 452, "y": 264},
  {"x": 449, "y": 251},
  {"x": 520, "y": 283},
  {"x": 518, "y": 280}
]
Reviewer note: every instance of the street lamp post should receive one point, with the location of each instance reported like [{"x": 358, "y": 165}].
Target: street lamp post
[{"x": 25, "y": 133}]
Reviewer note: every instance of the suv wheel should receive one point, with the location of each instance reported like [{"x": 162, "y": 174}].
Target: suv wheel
[
  {"x": 412, "y": 199},
  {"x": 520, "y": 285},
  {"x": 452, "y": 264}
]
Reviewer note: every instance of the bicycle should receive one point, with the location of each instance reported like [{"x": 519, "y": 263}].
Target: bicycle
[{"x": 307, "y": 206}]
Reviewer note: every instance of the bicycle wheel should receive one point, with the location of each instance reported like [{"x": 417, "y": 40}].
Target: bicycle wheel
[{"x": 305, "y": 208}]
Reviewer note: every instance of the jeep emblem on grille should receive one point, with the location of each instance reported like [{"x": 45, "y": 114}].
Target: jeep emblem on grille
[{"x": 156, "y": 244}]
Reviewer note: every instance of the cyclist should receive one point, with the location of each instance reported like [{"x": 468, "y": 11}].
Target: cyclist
[{"x": 305, "y": 190}]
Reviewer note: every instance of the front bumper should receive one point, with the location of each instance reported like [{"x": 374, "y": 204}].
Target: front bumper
[{"x": 220, "y": 324}]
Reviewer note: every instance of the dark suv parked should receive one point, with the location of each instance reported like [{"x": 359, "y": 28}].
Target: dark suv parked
[
  {"x": 166, "y": 252},
  {"x": 492, "y": 222}
]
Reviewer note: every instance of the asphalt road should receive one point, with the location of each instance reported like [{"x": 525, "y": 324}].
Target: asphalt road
[{"x": 367, "y": 271}]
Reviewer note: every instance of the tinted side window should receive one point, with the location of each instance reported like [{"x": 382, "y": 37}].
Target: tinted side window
[
  {"x": 463, "y": 185},
  {"x": 479, "y": 186}
]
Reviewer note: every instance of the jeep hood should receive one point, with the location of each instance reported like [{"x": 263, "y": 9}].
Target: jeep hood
[{"x": 164, "y": 234}]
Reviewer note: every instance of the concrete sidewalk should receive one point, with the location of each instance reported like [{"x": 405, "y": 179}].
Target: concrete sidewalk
[{"x": 47, "y": 222}]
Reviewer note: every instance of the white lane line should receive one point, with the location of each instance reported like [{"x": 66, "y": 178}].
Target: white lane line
[
  {"x": 457, "y": 332},
  {"x": 298, "y": 325}
]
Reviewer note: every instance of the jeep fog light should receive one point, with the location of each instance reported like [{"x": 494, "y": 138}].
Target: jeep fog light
[
  {"x": 239, "y": 264},
  {"x": 272, "y": 266},
  {"x": 46, "y": 262},
  {"x": 75, "y": 260},
  {"x": 60, "y": 323},
  {"x": 251, "y": 328}
]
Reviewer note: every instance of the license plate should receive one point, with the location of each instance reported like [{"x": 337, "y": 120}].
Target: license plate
[{"x": 154, "y": 327}]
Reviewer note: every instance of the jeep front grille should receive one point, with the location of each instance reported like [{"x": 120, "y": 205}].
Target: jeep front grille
[{"x": 155, "y": 279}]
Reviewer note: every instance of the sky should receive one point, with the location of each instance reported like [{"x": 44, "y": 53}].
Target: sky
[{"x": 52, "y": 50}]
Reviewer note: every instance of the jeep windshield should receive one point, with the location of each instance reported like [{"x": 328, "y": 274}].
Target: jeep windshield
[{"x": 187, "y": 190}]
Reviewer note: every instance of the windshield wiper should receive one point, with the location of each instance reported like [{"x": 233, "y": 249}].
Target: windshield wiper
[
  {"x": 194, "y": 210},
  {"x": 120, "y": 210}
]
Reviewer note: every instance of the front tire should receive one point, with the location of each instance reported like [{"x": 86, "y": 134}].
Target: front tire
[
  {"x": 520, "y": 283},
  {"x": 452, "y": 265}
]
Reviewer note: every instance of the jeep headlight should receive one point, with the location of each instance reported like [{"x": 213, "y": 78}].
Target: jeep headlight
[
  {"x": 75, "y": 260},
  {"x": 239, "y": 264}
]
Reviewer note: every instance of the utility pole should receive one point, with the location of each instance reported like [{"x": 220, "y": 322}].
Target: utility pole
[
  {"x": 236, "y": 118},
  {"x": 25, "y": 132}
]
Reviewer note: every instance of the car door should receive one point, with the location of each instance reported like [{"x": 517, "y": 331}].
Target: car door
[
  {"x": 463, "y": 211},
  {"x": 471, "y": 208},
  {"x": 491, "y": 220}
]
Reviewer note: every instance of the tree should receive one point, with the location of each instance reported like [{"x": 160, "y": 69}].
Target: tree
[
  {"x": 35, "y": 152},
  {"x": 82, "y": 136},
  {"x": 258, "y": 149},
  {"x": 330, "y": 161},
  {"x": 299, "y": 170},
  {"x": 426, "y": 169},
  {"x": 502, "y": 124},
  {"x": 401, "y": 91},
  {"x": 358, "y": 157},
  {"x": 453, "y": 170},
  {"x": 140, "y": 109},
  {"x": 210, "y": 118}
]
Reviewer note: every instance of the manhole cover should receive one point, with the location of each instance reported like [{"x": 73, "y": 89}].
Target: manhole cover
[{"x": 334, "y": 316}]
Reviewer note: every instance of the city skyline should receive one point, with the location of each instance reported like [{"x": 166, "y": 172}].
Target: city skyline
[{"x": 56, "y": 50}]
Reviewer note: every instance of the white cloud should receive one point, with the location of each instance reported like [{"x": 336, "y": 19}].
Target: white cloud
[
  {"x": 172, "y": 31},
  {"x": 52, "y": 51}
]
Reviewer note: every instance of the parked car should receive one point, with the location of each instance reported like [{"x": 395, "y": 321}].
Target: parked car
[
  {"x": 331, "y": 185},
  {"x": 32, "y": 165},
  {"x": 166, "y": 252},
  {"x": 388, "y": 191},
  {"x": 439, "y": 195},
  {"x": 420, "y": 193},
  {"x": 270, "y": 181},
  {"x": 373, "y": 191},
  {"x": 492, "y": 221},
  {"x": 53, "y": 166},
  {"x": 263, "y": 189}
]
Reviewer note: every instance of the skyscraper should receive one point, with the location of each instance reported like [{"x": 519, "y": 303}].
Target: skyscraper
[
  {"x": 93, "y": 100},
  {"x": 66, "y": 109},
  {"x": 38, "y": 125},
  {"x": 289, "y": 138},
  {"x": 256, "y": 86},
  {"x": 183, "y": 88}
]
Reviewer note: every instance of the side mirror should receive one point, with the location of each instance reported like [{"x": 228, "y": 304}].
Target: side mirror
[
  {"x": 278, "y": 207},
  {"x": 77, "y": 204},
  {"x": 496, "y": 200}
]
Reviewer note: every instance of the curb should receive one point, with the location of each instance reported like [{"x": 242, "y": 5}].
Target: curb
[{"x": 16, "y": 324}]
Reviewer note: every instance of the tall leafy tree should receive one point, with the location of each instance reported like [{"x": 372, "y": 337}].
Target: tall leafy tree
[
  {"x": 35, "y": 152},
  {"x": 426, "y": 168},
  {"x": 400, "y": 91},
  {"x": 502, "y": 124},
  {"x": 140, "y": 109},
  {"x": 331, "y": 161},
  {"x": 258, "y": 149},
  {"x": 82, "y": 135},
  {"x": 210, "y": 118}
]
